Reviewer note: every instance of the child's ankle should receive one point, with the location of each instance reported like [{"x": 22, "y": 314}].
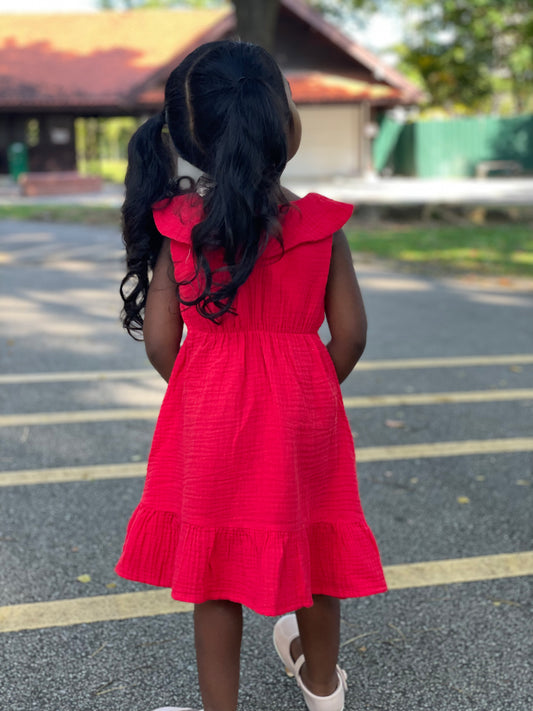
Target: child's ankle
[{"x": 319, "y": 689}]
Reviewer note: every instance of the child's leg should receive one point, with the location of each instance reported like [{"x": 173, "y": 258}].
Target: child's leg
[
  {"x": 218, "y": 633},
  {"x": 319, "y": 628}
]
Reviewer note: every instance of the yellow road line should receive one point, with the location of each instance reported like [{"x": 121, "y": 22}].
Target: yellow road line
[
  {"x": 77, "y": 376},
  {"x": 150, "y": 413},
  {"x": 452, "y": 362},
  {"x": 393, "y": 364},
  {"x": 459, "y": 570},
  {"x": 102, "y": 608},
  {"x": 63, "y": 475},
  {"x": 438, "y": 398},
  {"x": 460, "y": 448},
  {"x": 77, "y": 416}
]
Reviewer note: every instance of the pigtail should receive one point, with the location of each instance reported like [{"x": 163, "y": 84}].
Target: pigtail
[
  {"x": 242, "y": 205},
  {"x": 150, "y": 170}
]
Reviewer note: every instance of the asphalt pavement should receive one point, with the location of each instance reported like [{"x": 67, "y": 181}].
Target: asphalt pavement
[{"x": 441, "y": 408}]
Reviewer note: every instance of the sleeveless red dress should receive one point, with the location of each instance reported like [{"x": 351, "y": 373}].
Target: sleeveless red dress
[{"x": 251, "y": 491}]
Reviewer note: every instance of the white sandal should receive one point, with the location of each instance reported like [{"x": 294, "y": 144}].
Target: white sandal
[{"x": 285, "y": 631}]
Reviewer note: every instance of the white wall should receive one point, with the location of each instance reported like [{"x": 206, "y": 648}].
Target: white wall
[{"x": 330, "y": 142}]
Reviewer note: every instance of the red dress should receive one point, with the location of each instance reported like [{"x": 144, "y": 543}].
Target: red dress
[{"x": 251, "y": 492}]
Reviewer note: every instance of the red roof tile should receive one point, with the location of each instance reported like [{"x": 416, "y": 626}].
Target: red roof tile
[
  {"x": 92, "y": 60},
  {"x": 319, "y": 88}
]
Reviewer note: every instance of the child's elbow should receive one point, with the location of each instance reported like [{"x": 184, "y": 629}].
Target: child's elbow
[
  {"x": 358, "y": 337},
  {"x": 162, "y": 353},
  {"x": 357, "y": 345},
  {"x": 153, "y": 352}
]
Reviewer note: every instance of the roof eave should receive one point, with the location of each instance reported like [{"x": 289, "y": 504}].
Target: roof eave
[{"x": 380, "y": 70}]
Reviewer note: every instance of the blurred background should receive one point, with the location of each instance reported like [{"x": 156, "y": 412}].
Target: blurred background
[{"x": 385, "y": 87}]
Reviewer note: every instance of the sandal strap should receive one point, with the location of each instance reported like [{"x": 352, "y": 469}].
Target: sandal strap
[
  {"x": 343, "y": 677},
  {"x": 298, "y": 664}
]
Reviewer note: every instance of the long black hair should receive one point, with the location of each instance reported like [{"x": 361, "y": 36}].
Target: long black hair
[{"x": 227, "y": 113}]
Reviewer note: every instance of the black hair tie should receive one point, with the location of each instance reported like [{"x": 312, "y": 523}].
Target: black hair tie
[{"x": 244, "y": 79}]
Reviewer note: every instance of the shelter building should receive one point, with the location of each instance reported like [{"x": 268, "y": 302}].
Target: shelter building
[{"x": 56, "y": 68}]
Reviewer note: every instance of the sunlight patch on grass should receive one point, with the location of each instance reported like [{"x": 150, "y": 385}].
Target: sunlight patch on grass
[
  {"x": 488, "y": 249},
  {"x": 522, "y": 257}
]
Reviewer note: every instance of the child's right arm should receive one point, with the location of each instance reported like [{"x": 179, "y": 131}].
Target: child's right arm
[
  {"x": 345, "y": 311},
  {"x": 163, "y": 324}
]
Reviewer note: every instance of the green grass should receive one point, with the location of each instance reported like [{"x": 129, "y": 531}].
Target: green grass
[
  {"x": 78, "y": 214},
  {"x": 483, "y": 249},
  {"x": 106, "y": 168}
]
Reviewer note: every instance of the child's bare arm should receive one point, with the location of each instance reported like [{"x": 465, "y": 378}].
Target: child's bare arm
[
  {"x": 163, "y": 324},
  {"x": 345, "y": 310}
]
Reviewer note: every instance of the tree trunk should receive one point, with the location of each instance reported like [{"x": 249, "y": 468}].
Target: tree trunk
[{"x": 256, "y": 21}]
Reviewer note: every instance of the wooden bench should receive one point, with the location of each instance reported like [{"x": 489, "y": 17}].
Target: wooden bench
[
  {"x": 509, "y": 167},
  {"x": 58, "y": 183}
]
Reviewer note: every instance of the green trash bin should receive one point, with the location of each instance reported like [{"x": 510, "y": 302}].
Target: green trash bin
[{"x": 17, "y": 159}]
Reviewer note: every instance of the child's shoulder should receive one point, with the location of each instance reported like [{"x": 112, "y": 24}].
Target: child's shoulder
[
  {"x": 174, "y": 217},
  {"x": 316, "y": 216}
]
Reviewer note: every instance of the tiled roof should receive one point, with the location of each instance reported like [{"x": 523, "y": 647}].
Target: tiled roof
[
  {"x": 94, "y": 59},
  {"x": 319, "y": 88},
  {"x": 114, "y": 61}
]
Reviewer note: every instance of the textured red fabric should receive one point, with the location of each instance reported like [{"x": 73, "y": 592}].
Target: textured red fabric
[{"x": 251, "y": 491}]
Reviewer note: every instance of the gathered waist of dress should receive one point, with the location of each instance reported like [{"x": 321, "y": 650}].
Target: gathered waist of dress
[{"x": 245, "y": 332}]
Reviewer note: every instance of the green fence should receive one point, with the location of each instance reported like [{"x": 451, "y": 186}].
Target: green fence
[{"x": 454, "y": 148}]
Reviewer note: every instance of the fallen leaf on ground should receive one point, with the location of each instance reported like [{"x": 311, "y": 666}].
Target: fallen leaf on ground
[
  {"x": 395, "y": 424},
  {"x": 497, "y": 603},
  {"x": 463, "y": 500},
  {"x": 84, "y": 578}
]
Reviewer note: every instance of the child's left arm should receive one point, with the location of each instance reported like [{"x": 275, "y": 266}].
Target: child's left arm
[{"x": 163, "y": 324}]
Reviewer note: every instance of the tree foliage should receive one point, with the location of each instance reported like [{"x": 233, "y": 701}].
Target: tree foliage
[{"x": 473, "y": 53}]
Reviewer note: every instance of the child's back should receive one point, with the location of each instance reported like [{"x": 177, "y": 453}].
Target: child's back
[{"x": 252, "y": 453}]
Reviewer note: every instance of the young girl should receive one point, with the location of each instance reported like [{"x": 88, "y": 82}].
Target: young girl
[{"x": 251, "y": 495}]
